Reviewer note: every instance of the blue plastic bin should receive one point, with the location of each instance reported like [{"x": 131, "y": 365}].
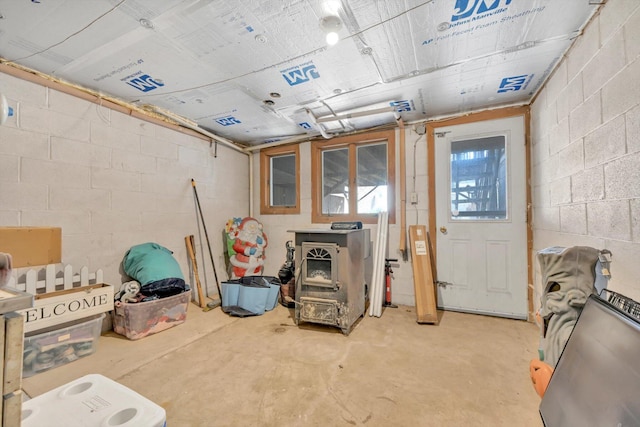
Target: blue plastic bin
[{"x": 255, "y": 294}]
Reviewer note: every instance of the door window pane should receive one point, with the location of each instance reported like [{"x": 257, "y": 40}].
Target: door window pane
[
  {"x": 372, "y": 178},
  {"x": 479, "y": 179},
  {"x": 283, "y": 180},
  {"x": 335, "y": 181}
]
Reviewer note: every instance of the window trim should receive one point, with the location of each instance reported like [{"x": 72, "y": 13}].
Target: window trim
[
  {"x": 388, "y": 136},
  {"x": 265, "y": 180}
]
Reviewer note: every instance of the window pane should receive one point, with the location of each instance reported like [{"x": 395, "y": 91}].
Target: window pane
[
  {"x": 283, "y": 180},
  {"x": 479, "y": 179},
  {"x": 335, "y": 181},
  {"x": 372, "y": 178}
]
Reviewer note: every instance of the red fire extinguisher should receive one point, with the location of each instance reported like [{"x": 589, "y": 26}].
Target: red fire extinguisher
[{"x": 387, "y": 275}]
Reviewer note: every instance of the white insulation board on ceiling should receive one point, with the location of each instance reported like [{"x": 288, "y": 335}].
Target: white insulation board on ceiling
[
  {"x": 217, "y": 62},
  {"x": 438, "y": 34},
  {"x": 48, "y": 35}
]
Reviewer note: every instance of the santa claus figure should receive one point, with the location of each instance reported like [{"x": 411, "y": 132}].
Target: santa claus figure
[{"x": 246, "y": 252}]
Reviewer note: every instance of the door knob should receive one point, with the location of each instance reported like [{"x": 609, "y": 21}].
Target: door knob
[{"x": 443, "y": 230}]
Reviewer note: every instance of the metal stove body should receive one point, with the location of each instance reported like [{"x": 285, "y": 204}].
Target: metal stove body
[{"x": 333, "y": 268}]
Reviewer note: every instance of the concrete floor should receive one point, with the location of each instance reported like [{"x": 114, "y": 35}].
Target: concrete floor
[{"x": 216, "y": 370}]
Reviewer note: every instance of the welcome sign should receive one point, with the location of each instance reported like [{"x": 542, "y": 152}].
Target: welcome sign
[{"x": 54, "y": 308}]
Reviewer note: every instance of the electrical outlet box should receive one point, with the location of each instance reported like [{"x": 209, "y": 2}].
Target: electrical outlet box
[{"x": 414, "y": 198}]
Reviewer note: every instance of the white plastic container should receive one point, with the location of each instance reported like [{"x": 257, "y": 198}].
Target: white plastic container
[{"x": 92, "y": 401}]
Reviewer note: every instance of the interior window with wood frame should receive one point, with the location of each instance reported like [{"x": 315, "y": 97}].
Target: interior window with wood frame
[
  {"x": 280, "y": 183},
  {"x": 353, "y": 177}
]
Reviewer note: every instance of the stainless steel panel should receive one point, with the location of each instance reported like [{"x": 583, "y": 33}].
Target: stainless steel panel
[{"x": 596, "y": 381}]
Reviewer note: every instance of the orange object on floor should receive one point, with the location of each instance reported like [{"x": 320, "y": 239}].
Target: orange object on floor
[{"x": 540, "y": 373}]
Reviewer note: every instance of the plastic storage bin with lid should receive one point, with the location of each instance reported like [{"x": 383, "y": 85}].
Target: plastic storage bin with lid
[
  {"x": 137, "y": 320},
  {"x": 52, "y": 347}
]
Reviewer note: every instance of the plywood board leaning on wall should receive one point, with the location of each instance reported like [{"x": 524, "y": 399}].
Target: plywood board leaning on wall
[
  {"x": 423, "y": 282},
  {"x": 30, "y": 246}
]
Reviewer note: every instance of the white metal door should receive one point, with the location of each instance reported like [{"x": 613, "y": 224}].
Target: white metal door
[{"x": 481, "y": 217}]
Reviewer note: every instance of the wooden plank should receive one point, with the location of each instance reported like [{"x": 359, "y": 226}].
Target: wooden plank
[
  {"x": 423, "y": 284},
  {"x": 527, "y": 139},
  {"x": 13, "y": 348},
  {"x": 434, "y": 267},
  {"x": 192, "y": 256},
  {"x": 12, "y": 409},
  {"x": 97, "y": 98}
]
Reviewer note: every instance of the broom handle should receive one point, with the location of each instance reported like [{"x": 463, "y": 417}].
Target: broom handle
[{"x": 204, "y": 226}]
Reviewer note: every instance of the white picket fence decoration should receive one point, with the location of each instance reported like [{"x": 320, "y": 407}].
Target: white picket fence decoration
[
  {"x": 52, "y": 305},
  {"x": 51, "y": 283}
]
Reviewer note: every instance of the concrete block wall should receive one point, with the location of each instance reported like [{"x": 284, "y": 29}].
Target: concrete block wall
[
  {"x": 112, "y": 181},
  {"x": 586, "y": 146}
]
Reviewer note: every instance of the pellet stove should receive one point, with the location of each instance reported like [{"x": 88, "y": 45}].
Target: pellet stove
[{"x": 333, "y": 269}]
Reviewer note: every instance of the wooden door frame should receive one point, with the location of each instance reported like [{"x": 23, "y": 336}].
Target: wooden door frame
[{"x": 482, "y": 116}]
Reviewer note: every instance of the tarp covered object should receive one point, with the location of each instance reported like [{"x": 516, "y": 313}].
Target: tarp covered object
[{"x": 150, "y": 262}]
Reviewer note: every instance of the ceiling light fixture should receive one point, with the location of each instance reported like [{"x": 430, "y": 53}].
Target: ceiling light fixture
[{"x": 331, "y": 26}]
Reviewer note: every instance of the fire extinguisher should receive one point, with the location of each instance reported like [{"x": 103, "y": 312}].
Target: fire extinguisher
[{"x": 387, "y": 275}]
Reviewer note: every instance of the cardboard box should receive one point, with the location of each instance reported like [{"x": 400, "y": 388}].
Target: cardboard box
[{"x": 30, "y": 246}]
